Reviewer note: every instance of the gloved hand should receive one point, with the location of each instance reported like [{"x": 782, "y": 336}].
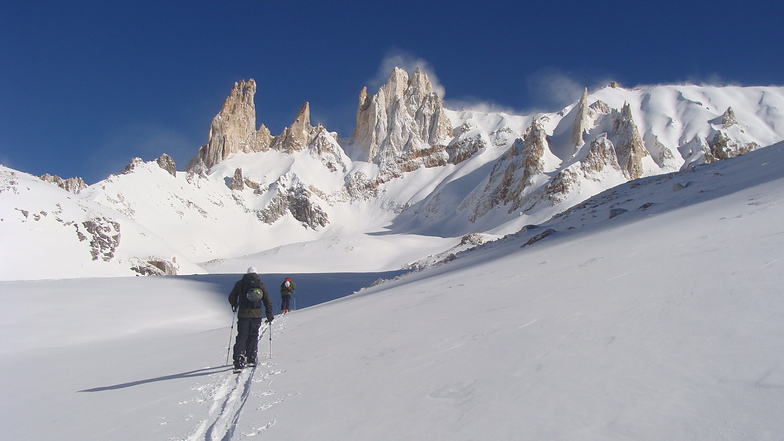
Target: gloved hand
[
  {"x": 269, "y": 318},
  {"x": 233, "y": 308}
]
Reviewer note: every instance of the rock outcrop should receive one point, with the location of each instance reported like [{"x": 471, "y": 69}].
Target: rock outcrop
[
  {"x": 300, "y": 136},
  {"x": 156, "y": 267},
  {"x": 404, "y": 124},
  {"x": 723, "y": 146},
  {"x": 728, "y": 118},
  {"x": 514, "y": 172},
  {"x": 582, "y": 120},
  {"x": 628, "y": 143},
  {"x": 296, "y": 137},
  {"x": 73, "y": 185},
  {"x": 237, "y": 182},
  {"x": 167, "y": 163},
  {"x": 600, "y": 157},
  {"x": 232, "y": 130},
  {"x": 467, "y": 142},
  {"x": 132, "y": 164}
]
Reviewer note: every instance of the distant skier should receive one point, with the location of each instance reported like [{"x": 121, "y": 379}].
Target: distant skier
[
  {"x": 287, "y": 289},
  {"x": 246, "y": 298}
]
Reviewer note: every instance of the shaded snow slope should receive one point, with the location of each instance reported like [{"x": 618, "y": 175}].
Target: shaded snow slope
[{"x": 660, "y": 323}]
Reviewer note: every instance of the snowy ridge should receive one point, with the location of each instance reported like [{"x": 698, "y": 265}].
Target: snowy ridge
[
  {"x": 662, "y": 321},
  {"x": 300, "y": 190}
]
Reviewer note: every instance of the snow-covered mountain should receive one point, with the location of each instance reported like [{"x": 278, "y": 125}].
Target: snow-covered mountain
[
  {"x": 651, "y": 311},
  {"x": 414, "y": 180}
]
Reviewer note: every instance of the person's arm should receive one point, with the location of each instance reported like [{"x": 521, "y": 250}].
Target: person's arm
[
  {"x": 265, "y": 298},
  {"x": 233, "y": 297}
]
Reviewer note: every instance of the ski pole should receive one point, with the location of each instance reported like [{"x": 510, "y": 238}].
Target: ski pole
[
  {"x": 231, "y": 333},
  {"x": 270, "y": 338}
]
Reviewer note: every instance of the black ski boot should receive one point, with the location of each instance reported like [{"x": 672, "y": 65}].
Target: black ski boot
[{"x": 239, "y": 362}]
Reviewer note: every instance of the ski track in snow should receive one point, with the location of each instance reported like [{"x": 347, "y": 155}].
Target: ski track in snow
[{"x": 231, "y": 395}]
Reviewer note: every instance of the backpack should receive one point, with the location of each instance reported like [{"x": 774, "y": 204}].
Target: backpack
[{"x": 254, "y": 293}]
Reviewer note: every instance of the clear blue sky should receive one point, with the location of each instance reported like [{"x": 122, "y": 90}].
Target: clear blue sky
[{"x": 87, "y": 85}]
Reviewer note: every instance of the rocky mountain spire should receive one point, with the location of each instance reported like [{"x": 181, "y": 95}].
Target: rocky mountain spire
[
  {"x": 232, "y": 130},
  {"x": 296, "y": 137},
  {"x": 728, "y": 118},
  {"x": 628, "y": 143},
  {"x": 403, "y": 121},
  {"x": 581, "y": 120}
]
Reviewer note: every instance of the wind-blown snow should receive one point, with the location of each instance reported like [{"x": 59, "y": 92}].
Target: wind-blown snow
[{"x": 662, "y": 322}]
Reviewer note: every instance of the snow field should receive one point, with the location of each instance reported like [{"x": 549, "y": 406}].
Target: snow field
[{"x": 662, "y": 323}]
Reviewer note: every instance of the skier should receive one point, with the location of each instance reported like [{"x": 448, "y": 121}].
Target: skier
[
  {"x": 287, "y": 289},
  {"x": 246, "y": 299}
]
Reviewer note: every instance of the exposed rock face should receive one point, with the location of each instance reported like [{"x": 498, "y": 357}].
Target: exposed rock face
[
  {"x": 135, "y": 162},
  {"x": 563, "y": 184},
  {"x": 514, "y": 172},
  {"x": 723, "y": 142},
  {"x": 722, "y": 146},
  {"x": 628, "y": 143},
  {"x": 601, "y": 156},
  {"x": 325, "y": 145},
  {"x": 728, "y": 119},
  {"x": 156, "y": 267},
  {"x": 232, "y": 130},
  {"x": 73, "y": 185},
  {"x": 105, "y": 235},
  {"x": 500, "y": 182},
  {"x": 404, "y": 121},
  {"x": 582, "y": 120},
  {"x": 296, "y": 137},
  {"x": 297, "y": 200},
  {"x": 167, "y": 163},
  {"x": 466, "y": 143},
  {"x": 303, "y": 209},
  {"x": 237, "y": 183},
  {"x": 533, "y": 152}
]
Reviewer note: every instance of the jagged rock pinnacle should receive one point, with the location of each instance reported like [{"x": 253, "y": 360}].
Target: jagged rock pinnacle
[
  {"x": 232, "y": 130},
  {"x": 404, "y": 119}
]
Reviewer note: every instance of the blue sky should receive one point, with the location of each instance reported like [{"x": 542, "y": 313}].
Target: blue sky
[{"x": 85, "y": 86}]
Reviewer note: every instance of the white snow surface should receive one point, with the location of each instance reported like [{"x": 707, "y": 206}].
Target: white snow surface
[{"x": 664, "y": 322}]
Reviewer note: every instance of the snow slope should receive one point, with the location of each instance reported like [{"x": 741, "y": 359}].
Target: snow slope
[
  {"x": 662, "y": 322},
  {"x": 49, "y": 233}
]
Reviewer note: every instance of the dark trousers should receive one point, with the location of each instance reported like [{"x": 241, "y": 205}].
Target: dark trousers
[
  {"x": 247, "y": 342},
  {"x": 284, "y": 302}
]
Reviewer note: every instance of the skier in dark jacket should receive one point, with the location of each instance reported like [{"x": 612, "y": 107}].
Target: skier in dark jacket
[{"x": 249, "y": 316}]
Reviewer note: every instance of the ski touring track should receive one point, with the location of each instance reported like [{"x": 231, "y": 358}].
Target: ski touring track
[{"x": 230, "y": 392}]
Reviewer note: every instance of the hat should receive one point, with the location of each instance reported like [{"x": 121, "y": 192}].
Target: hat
[{"x": 252, "y": 270}]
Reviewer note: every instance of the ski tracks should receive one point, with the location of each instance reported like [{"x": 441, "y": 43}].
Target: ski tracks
[{"x": 228, "y": 398}]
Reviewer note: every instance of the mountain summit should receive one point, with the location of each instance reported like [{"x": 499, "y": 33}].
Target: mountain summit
[
  {"x": 412, "y": 167},
  {"x": 404, "y": 122}
]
